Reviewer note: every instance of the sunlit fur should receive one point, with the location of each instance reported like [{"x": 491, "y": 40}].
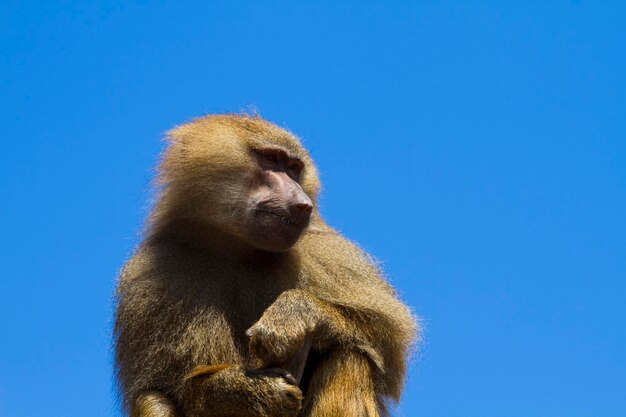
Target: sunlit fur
[{"x": 194, "y": 286}]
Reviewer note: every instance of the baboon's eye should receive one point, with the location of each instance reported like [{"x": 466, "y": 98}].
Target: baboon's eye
[
  {"x": 268, "y": 159},
  {"x": 294, "y": 171}
]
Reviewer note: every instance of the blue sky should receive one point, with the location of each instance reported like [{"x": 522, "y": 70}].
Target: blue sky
[{"x": 478, "y": 149}]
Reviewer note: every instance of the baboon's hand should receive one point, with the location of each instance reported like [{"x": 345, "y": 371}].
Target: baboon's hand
[
  {"x": 283, "y": 328},
  {"x": 277, "y": 393},
  {"x": 241, "y": 392}
]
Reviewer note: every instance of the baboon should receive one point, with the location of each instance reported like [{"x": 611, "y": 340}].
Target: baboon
[{"x": 241, "y": 301}]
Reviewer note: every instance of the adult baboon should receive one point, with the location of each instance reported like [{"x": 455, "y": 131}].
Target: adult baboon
[{"x": 238, "y": 277}]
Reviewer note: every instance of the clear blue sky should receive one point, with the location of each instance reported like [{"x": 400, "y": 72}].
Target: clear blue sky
[{"x": 478, "y": 149}]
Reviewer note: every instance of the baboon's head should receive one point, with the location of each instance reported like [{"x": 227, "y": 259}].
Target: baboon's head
[{"x": 243, "y": 175}]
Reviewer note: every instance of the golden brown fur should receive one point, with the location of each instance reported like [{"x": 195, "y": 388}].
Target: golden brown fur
[{"x": 195, "y": 286}]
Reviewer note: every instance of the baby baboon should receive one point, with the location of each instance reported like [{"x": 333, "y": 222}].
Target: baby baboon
[{"x": 238, "y": 278}]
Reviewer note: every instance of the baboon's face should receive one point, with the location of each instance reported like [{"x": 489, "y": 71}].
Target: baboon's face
[
  {"x": 278, "y": 209},
  {"x": 241, "y": 176}
]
